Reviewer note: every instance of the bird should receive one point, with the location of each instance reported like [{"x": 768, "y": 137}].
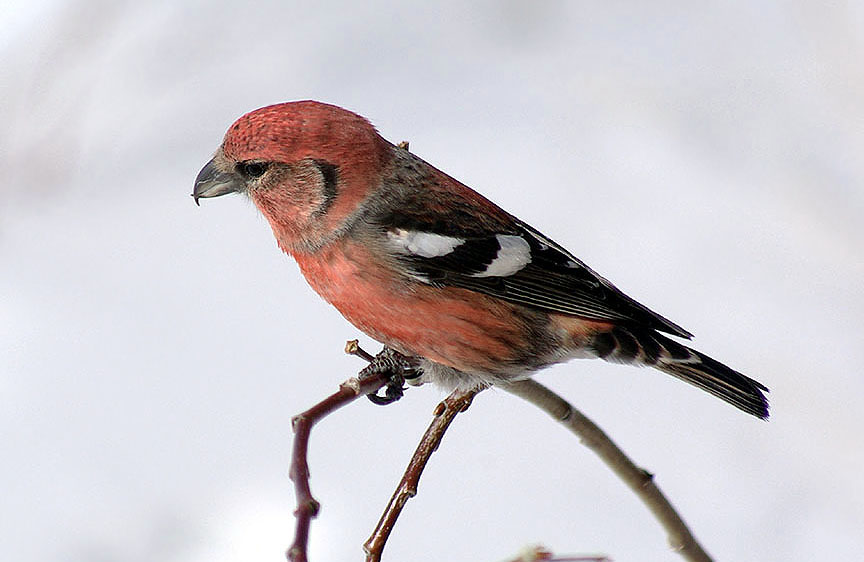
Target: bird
[{"x": 431, "y": 268}]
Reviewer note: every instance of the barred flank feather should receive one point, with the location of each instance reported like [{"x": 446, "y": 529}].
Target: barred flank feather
[{"x": 633, "y": 344}]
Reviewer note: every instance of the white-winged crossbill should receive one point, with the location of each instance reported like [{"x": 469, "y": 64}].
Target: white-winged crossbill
[{"x": 431, "y": 268}]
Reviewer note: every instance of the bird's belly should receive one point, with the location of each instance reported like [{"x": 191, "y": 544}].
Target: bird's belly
[{"x": 454, "y": 327}]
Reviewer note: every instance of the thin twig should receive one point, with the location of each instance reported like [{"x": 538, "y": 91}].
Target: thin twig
[
  {"x": 444, "y": 413},
  {"x": 639, "y": 480},
  {"x": 542, "y": 554},
  {"x": 307, "y": 506}
]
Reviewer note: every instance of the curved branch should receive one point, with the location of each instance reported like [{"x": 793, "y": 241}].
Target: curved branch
[
  {"x": 307, "y": 506},
  {"x": 639, "y": 480},
  {"x": 458, "y": 401}
]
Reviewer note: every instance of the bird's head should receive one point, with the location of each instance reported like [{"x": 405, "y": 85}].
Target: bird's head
[{"x": 306, "y": 165}]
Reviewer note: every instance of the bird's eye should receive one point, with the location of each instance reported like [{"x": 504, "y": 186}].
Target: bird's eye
[{"x": 252, "y": 169}]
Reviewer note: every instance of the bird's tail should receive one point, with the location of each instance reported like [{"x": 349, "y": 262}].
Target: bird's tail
[{"x": 641, "y": 346}]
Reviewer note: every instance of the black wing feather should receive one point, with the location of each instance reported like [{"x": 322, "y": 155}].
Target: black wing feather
[{"x": 554, "y": 280}]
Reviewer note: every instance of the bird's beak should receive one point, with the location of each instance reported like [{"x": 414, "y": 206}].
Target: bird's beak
[{"x": 213, "y": 182}]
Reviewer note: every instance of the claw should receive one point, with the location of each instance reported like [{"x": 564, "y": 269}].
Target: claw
[
  {"x": 398, "y": 368},
  {"x": 393, "y": 391}
]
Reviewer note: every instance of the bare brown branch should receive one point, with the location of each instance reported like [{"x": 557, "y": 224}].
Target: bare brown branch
[
  {"x": 639, "y": 480},
  {"x": 542, "y": 554},
  {"x": 444, "y": 413},
  {"x": 307, "y": 506}
]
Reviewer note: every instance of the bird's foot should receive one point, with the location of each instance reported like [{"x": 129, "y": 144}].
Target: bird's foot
[{"x": 399, "y": 368}]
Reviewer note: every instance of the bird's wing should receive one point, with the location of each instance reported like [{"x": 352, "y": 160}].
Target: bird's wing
[{"x": 519, "y": 265}]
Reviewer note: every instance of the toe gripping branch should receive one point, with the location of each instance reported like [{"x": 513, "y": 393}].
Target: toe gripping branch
[{"x": 398, "y": 369}]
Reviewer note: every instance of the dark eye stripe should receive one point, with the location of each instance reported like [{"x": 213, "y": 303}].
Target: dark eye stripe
[{"x": 330, "y": 174}]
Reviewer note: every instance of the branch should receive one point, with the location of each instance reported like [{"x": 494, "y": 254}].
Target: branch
[
  {"x": 444, "y": 413},
  {"x": 638, "y": 479},
  {"x": 371, "y": 380},
  {"x": 307, "y": 506},
  {"x": 542, "y": 554}
]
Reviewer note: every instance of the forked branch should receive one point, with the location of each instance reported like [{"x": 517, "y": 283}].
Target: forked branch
[
  {"x": 307, "y": 506},
  {"x": 639, "y": 480}
]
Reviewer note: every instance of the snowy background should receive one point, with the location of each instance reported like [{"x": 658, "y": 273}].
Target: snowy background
[{"x": 708, "y": 160}]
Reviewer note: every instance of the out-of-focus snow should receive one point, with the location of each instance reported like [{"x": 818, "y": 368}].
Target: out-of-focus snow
[{"x": 705, "y": 159}]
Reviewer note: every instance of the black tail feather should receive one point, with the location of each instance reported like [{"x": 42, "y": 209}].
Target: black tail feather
[{"x": 644, "y": 346}]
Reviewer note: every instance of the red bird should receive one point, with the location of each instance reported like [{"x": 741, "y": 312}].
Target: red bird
[{"x": 431, "y": 268}]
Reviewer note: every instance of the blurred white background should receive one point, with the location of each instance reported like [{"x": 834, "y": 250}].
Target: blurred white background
[{"x": 705, "y": 159}]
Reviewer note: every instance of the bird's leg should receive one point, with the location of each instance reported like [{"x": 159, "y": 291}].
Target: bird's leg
[{"x": 398, "y": 367}]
